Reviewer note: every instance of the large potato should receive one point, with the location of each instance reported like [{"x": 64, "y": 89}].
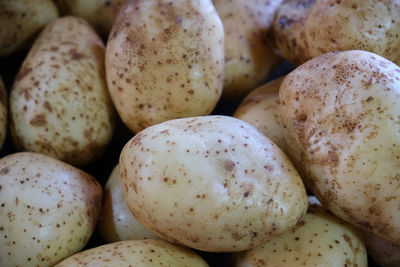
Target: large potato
[
  {"x": 306, "y": 29},
  {"x": 21, "y": 21},
  {"x": 59, "y": 103},
  {"x": 342, "y": 119},
  {"x": 3, "y": 112},
  {"x": 165, "y": 60},
  {"x": 48, "y": 209},
  {"x": 135, "y": 253},
  {"x": 249, "y": 55},
  {"x": 213, "y": 183}
]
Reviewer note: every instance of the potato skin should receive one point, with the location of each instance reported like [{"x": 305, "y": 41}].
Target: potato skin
[
  {"x": 21, "y": 21},
  {"x": 304, "y": 29},
  {"x": 382, "y": 251},
  {"x": 59, "y": 103},
  {"x": 3, "y": 112},
  {"x": 342, "y": 119},
  {"x": 165, "y": 60}
]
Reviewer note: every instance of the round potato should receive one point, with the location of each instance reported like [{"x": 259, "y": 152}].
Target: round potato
[
  {"x": 212, "y": 183},
  {"x": 249, "y": 54},
  {"x": 306, "y": 29},
  {"x": 319, "y": 239},
  {"x": 48, "y": 209},
  {"x": 59, "y": 102},
  {"x": 260, "y": 108},
  {"x": 341, "y": 117},
  {"x": 21, "y": 21},
  {"x": 135, "y": 253},
  {"x": 116, "y": 222},
  {"x": 3, "y": 112},
  {"x": 165, "y": 60},
  {"x": 382, "y": 251}
]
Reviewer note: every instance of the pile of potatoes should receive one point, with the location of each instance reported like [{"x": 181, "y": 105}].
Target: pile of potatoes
[{"x": 200, "y": 133}]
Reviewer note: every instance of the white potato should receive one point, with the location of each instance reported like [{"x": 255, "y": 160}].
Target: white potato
[
  {"x": 342, "y": 119},
  {"x": 48, "y": 209},
  {"x": 116, "y": 222},
  {"x": 165, "y": 60},
  {"x": 382, "y": 252},
  {"x": 212, "y": 183},
  {"x": 135, "y": 253},
  {"x": 59, "y": 103},
  {"x": 3, "y": 112}
]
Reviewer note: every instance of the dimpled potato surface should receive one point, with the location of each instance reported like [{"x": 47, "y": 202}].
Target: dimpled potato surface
[
  {"x": 165, "y": 60},
  {"x": 212, "y": 183},
  {"x": 342, "y": 119}
]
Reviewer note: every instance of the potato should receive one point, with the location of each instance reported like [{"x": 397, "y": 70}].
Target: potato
[
  {"x": 212, "y": 183},
  {"x": 382, "y": 251},
  {"x": 116, "y": 222},
  {"x": 306, "y": 29},
  {"x": 59, "y": 103},
  {"x": 249, "y": 54},
  {"x": 100, "y": 14},
  {"x": 165, "y": 60},
  {"x": 260, "y": 108},
  {"x": 48, "y": 209},
  {"x": 135, "y": 253},
  {"x": 341, "y": 117},
  {"x": 3, "y": 112},
  {"x": 320, "y": 239},
  {"x": 21, "y": 21}
]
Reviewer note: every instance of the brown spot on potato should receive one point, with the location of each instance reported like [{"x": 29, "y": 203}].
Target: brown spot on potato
[
  {"x": 39, "y": 120},
  {"x": 24, "y": 71}
]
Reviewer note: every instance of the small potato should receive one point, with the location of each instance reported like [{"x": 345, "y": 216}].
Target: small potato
[
  {"x": 260, "y": 108},
  {"x": 59, "y": 103},
  {"x": 100, "y": 14},
  {"x": 319, "y": 239},
  {"x": 116, "y": 222},
  {"x": 21, "y": 21},
  {"x": 48, "y": 209},
  {"x": 165, "y": 60},
  {"x": 382, "y": 251},
  {"x": 212, "y": 183},
  {"x": 341, "y": 117},
  {"x": 3, "y": 112},
  {"x": 249, "y": 54},
  {"x": 306, "y": 29},
  {"x": 135, "y": 253}
]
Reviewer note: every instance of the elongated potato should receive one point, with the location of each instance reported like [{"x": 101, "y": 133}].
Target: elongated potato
[
  {"x": 59, "y": 103},
  {"x": 165, "y": 60},
  {"x": 342, "y": 119}
]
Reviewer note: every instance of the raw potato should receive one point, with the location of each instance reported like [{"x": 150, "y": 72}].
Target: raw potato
[
  {"x": 212, "y": 183},
  {"x": 116, "y": 222},
  {"x": 3, "y": 112},
  {"x": 21, "y": 21},
  {"x": 306, "y": 29},
  {"x": 382, "y": 251},
  {"x": 135, "y": 253},
  {"x": 101, "y": 14},
  {"x": 48, "y": 209},
  {"x": 260, "y": 108},
  {"x": 249, "y": 54},
  {"x": 59, "y": 103},
  {"x": 165, "y": 60},
  {"x": 320, "y": 239},
  {"x": 342, "y": 119}
]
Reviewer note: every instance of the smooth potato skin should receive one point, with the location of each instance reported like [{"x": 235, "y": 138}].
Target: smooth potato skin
[
  {"x": 59, "y": 103},
  {"x": 306, "y": 29},
  {"x": 165, "y": 60},
  {"x": 342, "y": 118}
]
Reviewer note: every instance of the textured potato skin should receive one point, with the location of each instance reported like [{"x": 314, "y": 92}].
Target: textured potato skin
[
  {"x": 59, "y": 103},
  {"x": 304, "y": 29},
  {"x": 165, "y": 60},
  {"x": 342, "y": 119}
]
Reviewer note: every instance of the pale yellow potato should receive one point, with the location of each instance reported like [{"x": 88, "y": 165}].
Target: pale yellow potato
[
  {"x": 99, "y": 13},
  {"x": 59, "y": 103},
  {"x": 341, "y": 117},
  {"x": 21, "y": 21},
  {"x": 319, "y": 239},
  {"x": 213, "y": 183},
  {"x": 3, "y": 112},
  {"x": 260, "y": 108},
  {"x": 136, "y": 253},
  {"x": 165, "y": 60},
  {"x": 116, "y": 222},
  {"x": 48, "y": 209},
  {"x": 249, "y": 54},
  {"x": 306, "y": 29}
]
